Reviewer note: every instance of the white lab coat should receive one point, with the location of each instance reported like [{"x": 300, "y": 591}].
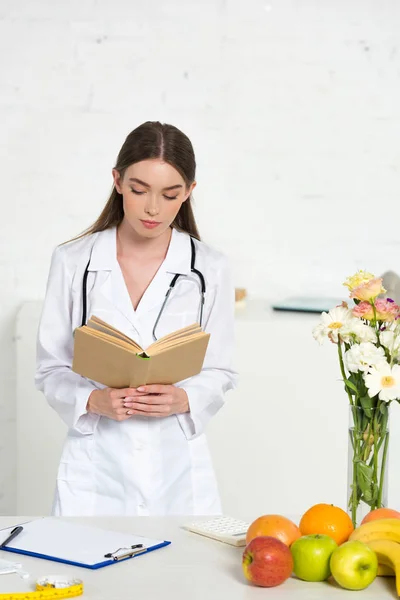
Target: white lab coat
[{"x": 145, "y": 465}]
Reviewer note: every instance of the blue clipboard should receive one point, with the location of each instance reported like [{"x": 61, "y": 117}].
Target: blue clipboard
[{"x": 57, "y": 540}]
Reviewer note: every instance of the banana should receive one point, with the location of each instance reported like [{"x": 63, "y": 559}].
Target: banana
[
  {"x": 380, "y": 529},
  {"x": 385, "y": 571},
  {"x": 388, "y": 554}
]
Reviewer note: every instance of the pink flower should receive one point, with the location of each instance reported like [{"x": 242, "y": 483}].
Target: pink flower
[
  {"x": 364, "y": 310},
  {"x": 369, "y": 290},
  {"x": 386, "y": 310}
]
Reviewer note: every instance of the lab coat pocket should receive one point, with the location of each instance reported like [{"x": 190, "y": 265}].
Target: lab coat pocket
[
  {"x": 75, "y": 472},
  {"x": 75, "y": 479},
  {"x": 76, "y": 459},
  {"x": 183, "y": 306},
  {"x": 169, "y": 323},
  {"x": 75, "y": 490}
]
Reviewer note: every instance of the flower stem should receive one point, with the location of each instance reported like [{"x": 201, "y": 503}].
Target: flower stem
[
  {"x": 354, "y": 440},
  {"x": 383, "y": 468},
  {"x": 343, "y": 371},
  {"x": 354, "y": 488},
  {"x": 376, "y": 324},
  {"x": 375, "y": 473}
]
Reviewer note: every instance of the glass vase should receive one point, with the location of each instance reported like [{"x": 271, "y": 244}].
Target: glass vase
[{"x": 368, "y": 448}]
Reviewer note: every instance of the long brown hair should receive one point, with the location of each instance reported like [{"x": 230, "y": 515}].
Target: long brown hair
[{"x": 152, "y": 140}]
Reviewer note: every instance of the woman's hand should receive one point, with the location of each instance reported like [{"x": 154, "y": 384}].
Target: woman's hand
[
  {"x": 157, "y": 401},
  {"x": 109, "y": 402}
]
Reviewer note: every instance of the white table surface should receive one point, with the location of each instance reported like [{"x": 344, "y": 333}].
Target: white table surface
[{"x": 192, "y": 567}]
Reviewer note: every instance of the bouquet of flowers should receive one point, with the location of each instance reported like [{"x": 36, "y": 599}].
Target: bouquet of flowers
[{"x": 367, "y": 336}]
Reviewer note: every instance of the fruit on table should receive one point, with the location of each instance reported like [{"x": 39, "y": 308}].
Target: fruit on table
[
  {"x": 276, "y": 526},
  {"x": 267, "y": 561},
  {"x": 311, "y": 556},
  {"x": 388, "y": 554},
  {"x": 385, "y": 571},
  {"x": 381, "y": 513},
  {"x": 327, "y": 519},
  {"x": 354, "y": 565},
  {"x": 380, "y": 529}
]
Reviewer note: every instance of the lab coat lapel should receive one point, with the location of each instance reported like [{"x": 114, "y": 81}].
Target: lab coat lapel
[
  {"x": 112, "y": 287},
  {"x": 176, "y": 261},
  {"x": 120, "y": 295}
]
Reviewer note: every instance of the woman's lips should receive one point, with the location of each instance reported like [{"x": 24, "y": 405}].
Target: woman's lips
[{"x": 150, "y": 224}]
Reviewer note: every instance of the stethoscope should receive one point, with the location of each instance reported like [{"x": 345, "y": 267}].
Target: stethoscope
[{"x": 171, "y": 287}]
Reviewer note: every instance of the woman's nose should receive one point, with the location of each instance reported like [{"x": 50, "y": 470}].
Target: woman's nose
[{"x": 152, "y": 207}]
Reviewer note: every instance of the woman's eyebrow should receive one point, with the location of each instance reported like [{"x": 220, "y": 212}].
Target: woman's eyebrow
[{"x": 171, "y": 187}]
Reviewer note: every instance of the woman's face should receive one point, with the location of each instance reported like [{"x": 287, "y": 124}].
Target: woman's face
[{"x": 153, "y": 192}]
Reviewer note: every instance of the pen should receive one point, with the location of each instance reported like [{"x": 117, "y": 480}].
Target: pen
[
  {"x": 129, "y": 554},
  {"x": 12, "y": 535},
  {"x": 110, "y": 554}
]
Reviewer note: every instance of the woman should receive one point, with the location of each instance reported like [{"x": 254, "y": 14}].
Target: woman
[{"x": 138, "y": 451}]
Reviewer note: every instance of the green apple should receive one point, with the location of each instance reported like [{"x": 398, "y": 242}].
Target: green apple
[
  {"x": 354, "y": 565},
  {"x": 311, "y": 556}
]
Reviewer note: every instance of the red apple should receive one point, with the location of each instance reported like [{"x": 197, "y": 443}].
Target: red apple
[{"x": 267, "y": 561}]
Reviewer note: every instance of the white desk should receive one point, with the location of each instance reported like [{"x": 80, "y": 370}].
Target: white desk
[{"x": 191, "y": 568}]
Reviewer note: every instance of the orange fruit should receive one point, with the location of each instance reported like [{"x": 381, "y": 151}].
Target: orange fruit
[
  {"x": 381, "y": 513},
  {"x": 327, "y": 519},
  {"x": 276, "y": 526}
]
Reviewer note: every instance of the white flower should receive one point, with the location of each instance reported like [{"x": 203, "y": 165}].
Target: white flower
[
  {"x": 363, "y": 332},
  {"x": 339, "y": 321},
  {"x": 362, "y": 356},
  {"x": 383, "y": 380},
  {"x": 390, "y": 338}
]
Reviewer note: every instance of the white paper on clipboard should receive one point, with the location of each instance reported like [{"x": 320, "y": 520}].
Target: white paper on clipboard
[{"x": 66, "y": 541}]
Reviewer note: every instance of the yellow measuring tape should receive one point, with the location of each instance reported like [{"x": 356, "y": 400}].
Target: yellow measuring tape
[{"x": 48, "y": 588}]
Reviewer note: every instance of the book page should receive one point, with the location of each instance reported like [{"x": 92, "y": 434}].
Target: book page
[
  {"x": 175, "y": 335},
  {"x": 111, "y": 339},
  {"x": 182, "y": 341},
  {"x": 99, "y": 325},
  {"x": 180, "y": 333}
]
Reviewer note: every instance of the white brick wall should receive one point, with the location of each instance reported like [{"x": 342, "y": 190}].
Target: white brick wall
[{"x": 292, "y": 106}]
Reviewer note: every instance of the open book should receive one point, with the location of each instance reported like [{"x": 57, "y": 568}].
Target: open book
[{"x": 108, "y": 356}]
